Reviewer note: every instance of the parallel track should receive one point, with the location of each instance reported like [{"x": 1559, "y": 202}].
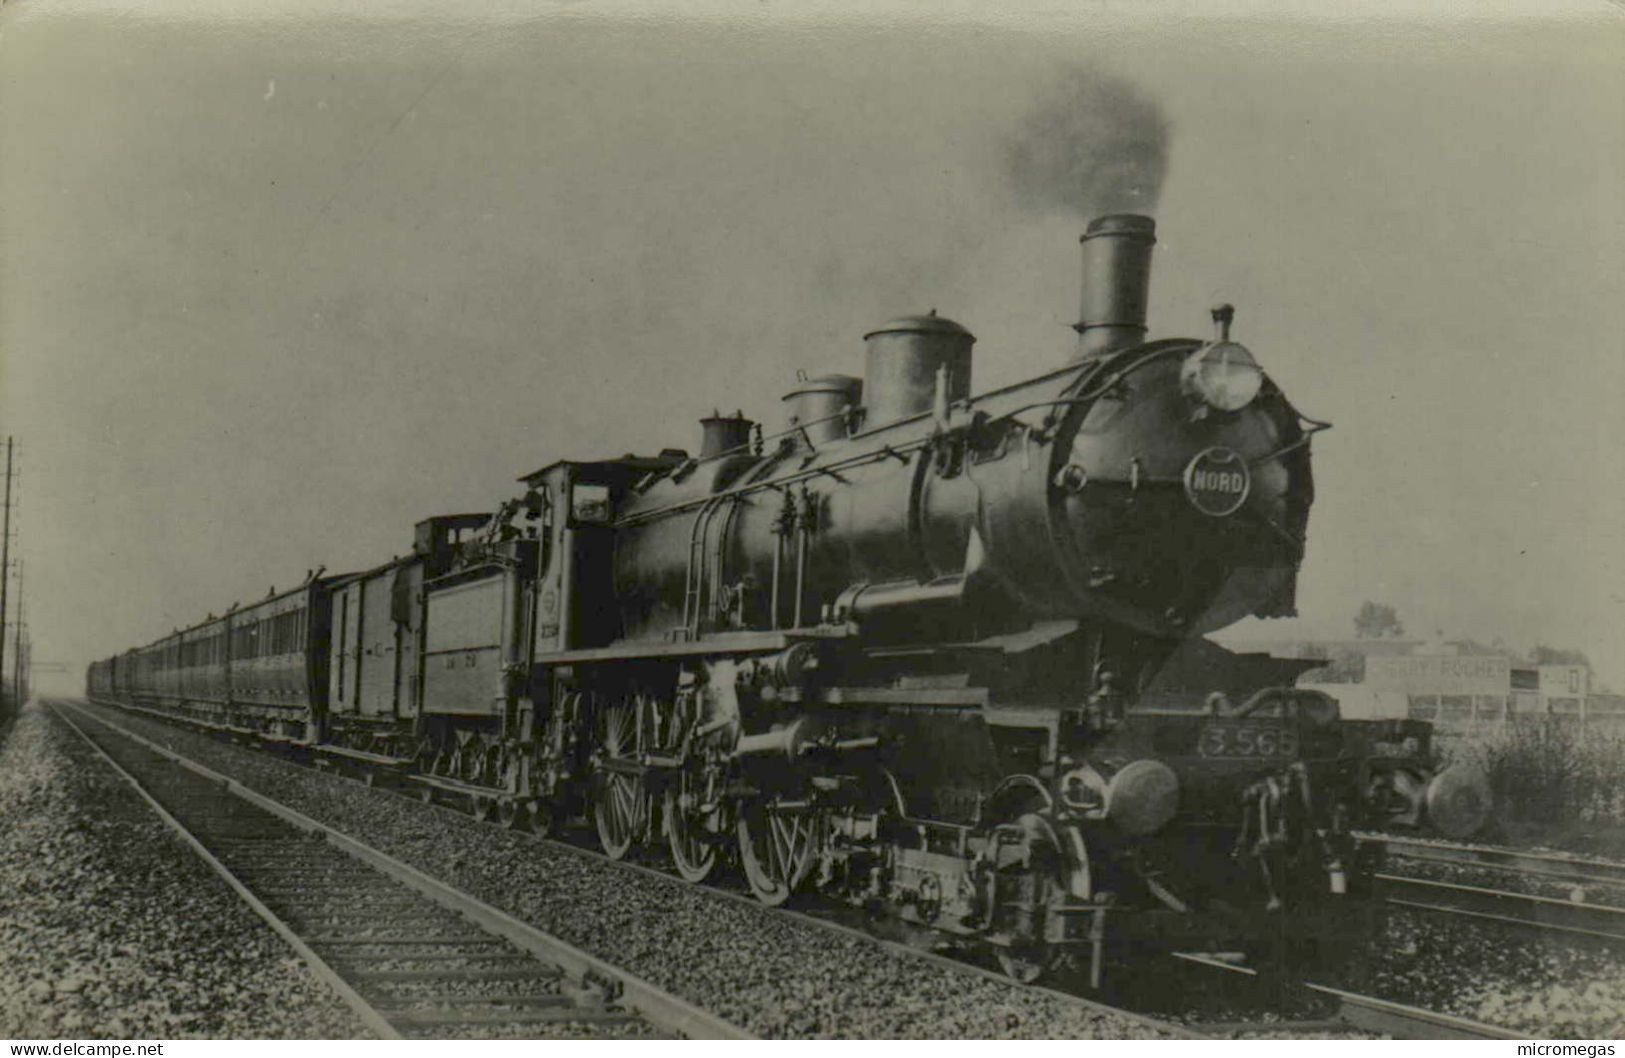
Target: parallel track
[
  {"x": 1513, "y": 860},
  {"x": 1516, "y": 861},
  {"x": 1543, "y": 913},
  {"x": 1574, "y": 916},
  {"x": 412, "y": 956}
]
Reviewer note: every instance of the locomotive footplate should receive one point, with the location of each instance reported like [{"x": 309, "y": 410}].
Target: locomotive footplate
[
  {"x": 458, "y": 786},
  {"x": 382, "y": 760}
]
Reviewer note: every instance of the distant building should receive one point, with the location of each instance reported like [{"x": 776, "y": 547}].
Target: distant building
[{"x": 1461, "y": 687}]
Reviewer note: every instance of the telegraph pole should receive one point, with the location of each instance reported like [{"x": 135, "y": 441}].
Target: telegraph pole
[
  {"x": 5, "y": 564},
  {"x": 17, "y": 638}
]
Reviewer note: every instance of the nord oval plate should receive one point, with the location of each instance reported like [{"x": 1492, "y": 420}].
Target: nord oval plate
[{"x": 1217, "y": 481}]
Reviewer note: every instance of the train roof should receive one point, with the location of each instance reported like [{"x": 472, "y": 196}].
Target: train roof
[
  {"x": 607, "y": 471},
  {"x": 313, "y": 580}
]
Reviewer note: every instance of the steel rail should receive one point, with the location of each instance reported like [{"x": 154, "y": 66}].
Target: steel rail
[
  {"x": 653, "y": 1003},
  {"x": 1545, "y": 913},
  {"x": 1361, "y": 1012},
  {"x": 1520, "y": 861},
  {"x": 901, "y": 950},
  {"x": 1402, "y": 1021},
  {"x": 325, "y": 973}
]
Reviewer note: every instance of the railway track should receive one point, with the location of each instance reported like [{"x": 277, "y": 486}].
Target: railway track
[
  {"x": 819, "y": 921},
  {"x": 1353, "y": 1012},
  {"x": 412, "y": 956},
  {"x": 1574, "y": 915},
  {"x": 1515, "y": 861},
  {"x": 1543, "y": 913}
]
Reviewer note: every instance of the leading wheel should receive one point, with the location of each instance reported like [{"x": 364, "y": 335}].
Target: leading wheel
[
  {"x": 512, "y": 814},
  {"x": 1026, "y": 963},
  {"x": 540, "y": 816},
  {"x": 777, "y": 850},
  {"x": 1042, "y": 877}
]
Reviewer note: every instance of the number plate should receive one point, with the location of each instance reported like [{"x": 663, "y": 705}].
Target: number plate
[{"x": 1238, "y": 739}]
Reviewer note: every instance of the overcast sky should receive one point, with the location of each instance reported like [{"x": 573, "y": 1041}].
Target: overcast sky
[{"x": 277, "y": 283}]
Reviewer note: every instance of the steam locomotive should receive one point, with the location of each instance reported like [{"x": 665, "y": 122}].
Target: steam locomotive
[{"x": 933, "y": 654}]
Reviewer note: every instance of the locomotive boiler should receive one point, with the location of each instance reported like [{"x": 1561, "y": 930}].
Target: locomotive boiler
[{"x": 929, "y": 652}]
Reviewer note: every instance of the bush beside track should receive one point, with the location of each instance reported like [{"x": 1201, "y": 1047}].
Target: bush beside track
[
  {"x": 1555, "y": 784},
  {"x": 110, "y": 926},
  {"x": 771, "y": 974}
]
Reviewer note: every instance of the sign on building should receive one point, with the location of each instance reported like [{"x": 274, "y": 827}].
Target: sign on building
[{"x": 1490, "y": 675}]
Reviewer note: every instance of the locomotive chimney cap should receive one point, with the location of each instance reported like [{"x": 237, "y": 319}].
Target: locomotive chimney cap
[
  {"x": 843, "y": 384},
  {"x": 1132, "y": 225},
  {"x": 930, "y": 323}
]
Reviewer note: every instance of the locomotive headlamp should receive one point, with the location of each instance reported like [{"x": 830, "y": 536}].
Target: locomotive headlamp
[{"x": 1222, "y": 375}]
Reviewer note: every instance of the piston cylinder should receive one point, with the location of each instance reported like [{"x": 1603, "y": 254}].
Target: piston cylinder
[
  {"x": 1116, "y": 283},
  {"x": 904, "y": 358}
]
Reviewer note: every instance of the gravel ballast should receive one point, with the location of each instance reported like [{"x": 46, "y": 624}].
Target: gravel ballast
[
  {"x": 775, "y": 976},
  {"x": 110, "y": 926},
  {"x": 1503, "y": 975}
]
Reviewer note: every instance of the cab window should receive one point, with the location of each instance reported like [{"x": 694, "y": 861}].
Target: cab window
[{"x": 589, "y": 504}]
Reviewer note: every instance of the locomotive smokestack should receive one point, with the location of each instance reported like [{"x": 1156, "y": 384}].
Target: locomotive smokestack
[
  {"x": 724, "y": 433},
  {"x": 1116, "y": 282}
]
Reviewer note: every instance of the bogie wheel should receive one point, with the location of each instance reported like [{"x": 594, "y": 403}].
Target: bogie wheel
[
  {"x": 443, "y": 762},
  {"x": 512, "y": 814},
  {"x": 426, "y": 795},
  {"x": 1026, "y": 963},
  {"x": 540, "y": 817},
  {"x": 694, "y": 856},
  {"x": 777, "y": 850},
  {"x": 468, "y": 760},
  {"x": 489, "y": 764},
  {"x": 1028, "y": 959},
  {"x": 621, "y": 803},
  {"x": 482, "y": 808}
]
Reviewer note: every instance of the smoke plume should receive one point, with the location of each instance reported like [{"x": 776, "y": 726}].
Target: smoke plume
[{"x": 1095, "y": 144}]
